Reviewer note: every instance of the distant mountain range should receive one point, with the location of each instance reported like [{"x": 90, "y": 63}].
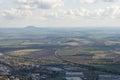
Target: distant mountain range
[{"x": 31, "y": 27}]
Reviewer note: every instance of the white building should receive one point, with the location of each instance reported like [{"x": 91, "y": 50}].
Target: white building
[
  {"x": 109, "y": 77},
  {"x": 74, "y": 76}
]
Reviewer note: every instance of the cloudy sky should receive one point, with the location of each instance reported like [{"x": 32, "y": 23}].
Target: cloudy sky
[{"x": 59, "y": 13}]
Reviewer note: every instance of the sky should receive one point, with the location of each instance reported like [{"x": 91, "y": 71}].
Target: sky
[{"x": 59, "y": 13}]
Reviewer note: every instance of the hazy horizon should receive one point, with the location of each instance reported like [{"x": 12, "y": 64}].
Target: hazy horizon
[{"x": 62, "y": 27}]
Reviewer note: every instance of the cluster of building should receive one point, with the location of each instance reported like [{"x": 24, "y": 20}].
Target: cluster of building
[
  {"x": 47, "y": 72},
  {"x": 4, "y": 70},
  {"x": 109, "y": 77},
  {"x": 74, "y": 76}
]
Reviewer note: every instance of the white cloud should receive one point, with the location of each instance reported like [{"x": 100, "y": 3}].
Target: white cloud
[
  {"x": 16, "y": 13},
  {"x": 94, "y": 1},
  {"x": 1, "y": 1},
  {"x": 88, "y": 1},
  {"x": 113, "y": 11},
  {"x": 109, "y": 12},
  {"x": 27, "y": 9},
  {"x": 22, "y": 1},
  {"x": 46, "y": 4},
  {"x": 60, "y": 10},
  {"x": 111, "y": 0},
  {"x": 26, "y": 6},
  {"x": 42, "y": 4}
]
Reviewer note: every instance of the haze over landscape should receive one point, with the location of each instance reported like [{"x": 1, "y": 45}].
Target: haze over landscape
[{"x": 59, "y": 13}]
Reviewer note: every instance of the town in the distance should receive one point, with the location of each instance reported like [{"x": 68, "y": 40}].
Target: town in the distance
[{"x": 34, "y": 53}]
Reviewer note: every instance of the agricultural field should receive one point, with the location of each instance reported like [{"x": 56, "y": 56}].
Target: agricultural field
[
  {"x": 44, "y": 54},
  {"x": 86, "y": 55},
  {"x": 60, "y": 46}
]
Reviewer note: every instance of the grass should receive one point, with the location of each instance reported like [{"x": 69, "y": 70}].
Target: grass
[
  {"x": 22, "y": 52},
  {"x": 75, "y": 51},
  {"x": 31, "y": 43},
  {"x": 112, "y": 42},
  {"x": 117, "y": 52}
]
